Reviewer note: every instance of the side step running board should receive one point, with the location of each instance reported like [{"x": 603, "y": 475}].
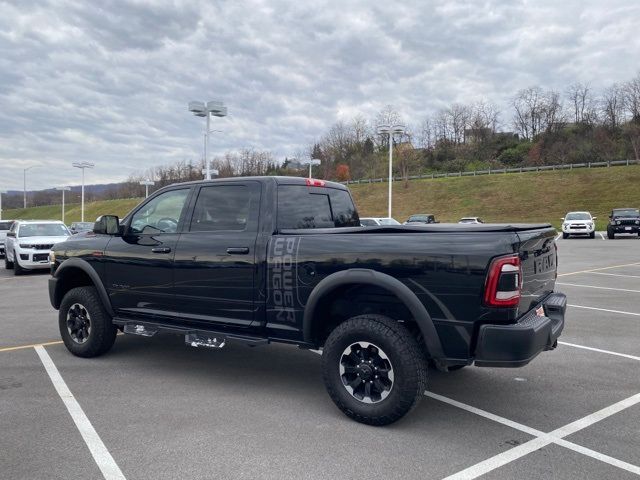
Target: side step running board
[{"x": 192, "y": 337}]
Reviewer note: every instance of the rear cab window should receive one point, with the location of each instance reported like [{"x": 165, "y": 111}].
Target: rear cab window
[{"x": 301, "y": 207}]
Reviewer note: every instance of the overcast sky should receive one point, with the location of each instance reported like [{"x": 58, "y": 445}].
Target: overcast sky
[{"x": 110, "y": 84}]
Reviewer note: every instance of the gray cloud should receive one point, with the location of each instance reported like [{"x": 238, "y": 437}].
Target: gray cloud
[{"x": 110, "y": 84}]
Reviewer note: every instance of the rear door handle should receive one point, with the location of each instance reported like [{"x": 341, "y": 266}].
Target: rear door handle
[
  {"x": 238, "y": 250},
  {"x": 161, "y": 249}
]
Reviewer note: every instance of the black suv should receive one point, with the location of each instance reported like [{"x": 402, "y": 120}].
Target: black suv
[{"x": 623, "y": 220}]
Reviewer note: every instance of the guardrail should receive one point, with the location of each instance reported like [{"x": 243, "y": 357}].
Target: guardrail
[{"x": 473, "y": 173}]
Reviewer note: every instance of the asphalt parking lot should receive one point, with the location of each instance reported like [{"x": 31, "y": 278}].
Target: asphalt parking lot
[{"x": 154, "y": 408}]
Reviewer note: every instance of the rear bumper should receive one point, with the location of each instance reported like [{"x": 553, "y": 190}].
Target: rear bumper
[{"x": 517, "y": 344}]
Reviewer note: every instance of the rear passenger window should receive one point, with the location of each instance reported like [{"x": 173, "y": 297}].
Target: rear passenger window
[
  {"x": 304, "y": 207},
  {"x": 222, "y": 208}
]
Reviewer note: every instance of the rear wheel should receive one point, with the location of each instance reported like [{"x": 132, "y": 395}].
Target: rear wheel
[
  {"x": 85, "y": 326},
  {"x": 373, "y": 369},
  {"x": 17, "y": 269}
]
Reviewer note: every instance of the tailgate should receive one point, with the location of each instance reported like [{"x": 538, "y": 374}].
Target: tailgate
[{"x": 539, "y": 260}]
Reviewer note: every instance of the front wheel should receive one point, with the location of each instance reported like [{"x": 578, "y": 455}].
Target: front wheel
[
  {"x": 7, "y": 264},
  {"x": 610, "y": 235},
  {"x": 17, "y": 269},
  {"x": 565, "y": 235},
  {"x": 592, "y": 235},
  {"x": 85, "y": 326},
  {"x": 374, "y": 369}
]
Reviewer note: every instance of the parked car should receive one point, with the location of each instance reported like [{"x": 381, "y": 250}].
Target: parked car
[
  {"x": 578, "y": 223},
  {"x": 623, "y": 220},
  {"x": 284, "y": 259},
  {"x": 471, "y": 220},
  {"x": 422, "y": 218},
  {"x": 29, "y": 241},
  {"x": 5, "y": 226},
  {"x": 77, "y": 227},
  {"x": 377, "y": 221}
]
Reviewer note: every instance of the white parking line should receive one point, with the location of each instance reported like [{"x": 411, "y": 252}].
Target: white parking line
[
  {"x": 601, "y": 235},
  {"x": 544, "y": 439},
  {"x": 104, "y": 460},
  {"x": 615, "y": 274},
  {"x": 598, "y": 269},
  {"x": 625, "y": 355},
  {"x": 599, "y": 288},
  {"x": 557, "y": 237},
  {"x": 604, "y": 310}
]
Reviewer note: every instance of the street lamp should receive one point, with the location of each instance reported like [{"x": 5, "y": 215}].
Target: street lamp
[
  {"x": 391, "y": 131},
  {"x": 200, "y": 109},
  {"x": 63, "y": 189},
  {"x": 311, "y": 163},
  {"x": 82, "y": 165},
  {"x": 1, "y": 192},
  {"x": 146, "y": 184},
  {"x": 24, "y": 184}
]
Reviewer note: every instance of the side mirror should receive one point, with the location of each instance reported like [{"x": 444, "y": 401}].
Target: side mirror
[
  {"x": 11, "y": 234},
  {"x": 594, "y": 218},
  {"x": 562, "y": 218},
  {"x": 107, "y": 225}
]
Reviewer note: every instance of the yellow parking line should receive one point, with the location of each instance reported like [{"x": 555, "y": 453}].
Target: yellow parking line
[
  {"x": 22, "y": 347},
  {"x": 598, "y": 269}
]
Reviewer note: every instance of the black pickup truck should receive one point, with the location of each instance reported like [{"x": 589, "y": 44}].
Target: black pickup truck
[{"x": 278, "y": 259}]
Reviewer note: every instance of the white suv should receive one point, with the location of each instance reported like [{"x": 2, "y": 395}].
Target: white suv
[
  {"x": 578, "y": 223},
  {"x": 5, "y": 226},
  {"x": 29, "y": 241}
]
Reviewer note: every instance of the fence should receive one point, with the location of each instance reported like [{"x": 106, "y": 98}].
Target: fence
[{"x": 473, "y": 173}]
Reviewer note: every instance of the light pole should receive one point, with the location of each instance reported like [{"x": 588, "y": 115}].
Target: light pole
[
  {"x": 63, "y": 189},
  {"x": 24, "y": 185},
  {"x": 1, "y": 192},
  {"x": 311, "y": 163},
  {"x": 146, "y": 184},
  {"x": 82, "y": 165},
  {"x": 199, "y": 109},
  {"x": 390, "y": 130}
]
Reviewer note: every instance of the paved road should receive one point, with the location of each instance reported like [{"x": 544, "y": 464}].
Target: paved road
[{"x": 164, "y": 410}]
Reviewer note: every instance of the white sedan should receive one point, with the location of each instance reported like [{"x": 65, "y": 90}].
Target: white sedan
[
  {"x": 29, "y": 241},
  {"x": 578, "y": 223}
]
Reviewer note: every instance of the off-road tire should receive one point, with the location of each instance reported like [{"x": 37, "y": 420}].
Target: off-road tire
[
  {"x": 17, "y": 269},
  {"x": 407, "y": 360},
  {"x": 610, "y": 235},
  {"x": 7, "y": 264},
  {"x": 592, "y": 235},
  {"x": 102, "y": 334}
]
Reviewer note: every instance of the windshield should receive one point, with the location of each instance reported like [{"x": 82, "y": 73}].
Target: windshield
[
  {"x": 578, "y": 216},
  {"x": 389, "y": 221},
  {"x": 5, "y": 225},
  {"x": 418, "y": 218},
  {"x": 368, "y": 222},
  {"x": 43, "y": 230},
  {"x": 626, "y": 212}
]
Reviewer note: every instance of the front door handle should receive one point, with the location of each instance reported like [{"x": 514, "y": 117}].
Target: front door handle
[
  {"x": 238, "y": 250},
  {"x": 161, "y": 249}
]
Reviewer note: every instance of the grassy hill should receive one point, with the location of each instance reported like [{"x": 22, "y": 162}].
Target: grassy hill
[
  {"x": 522, "y": 197},
  {"x": 72, "y": 211},
  {"x": 529, "y": 197}
]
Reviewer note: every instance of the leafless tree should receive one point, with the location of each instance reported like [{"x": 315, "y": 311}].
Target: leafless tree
[
  {"x": 631, "y": 92},
  {"x": 582, "y": 103},
  {"x": 536, "y": 111},
  {"x": 612, "y": 106}
]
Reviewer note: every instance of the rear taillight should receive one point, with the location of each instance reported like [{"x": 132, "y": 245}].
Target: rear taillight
[{"x": 504, "y": 282}]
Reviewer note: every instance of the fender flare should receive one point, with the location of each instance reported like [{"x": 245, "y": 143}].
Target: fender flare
[
  {"x": 393, "y": 285},
  {"x": 83, "y": 265}
]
